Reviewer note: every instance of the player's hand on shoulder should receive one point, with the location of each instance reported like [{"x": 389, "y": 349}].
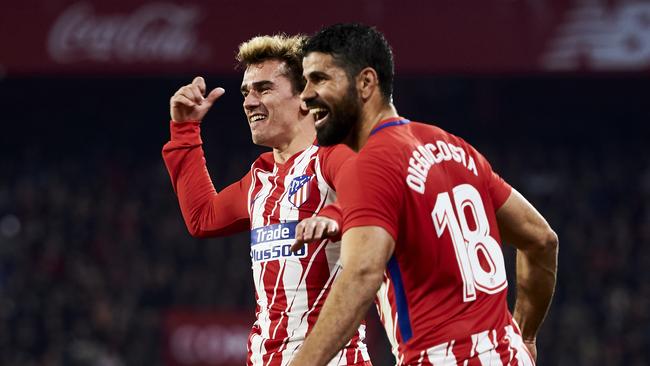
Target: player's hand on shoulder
[
  {"x": 314, "y": 229},
  {"x": 189, "y": 103}
]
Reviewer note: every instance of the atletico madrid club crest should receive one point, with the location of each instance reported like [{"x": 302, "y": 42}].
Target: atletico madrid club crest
[{"x": 299, "y": 190}]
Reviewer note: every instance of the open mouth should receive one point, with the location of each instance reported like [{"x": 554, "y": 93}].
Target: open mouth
[
  {"x": 320, "y": 114},
  {"x": 256, "y": 118}
]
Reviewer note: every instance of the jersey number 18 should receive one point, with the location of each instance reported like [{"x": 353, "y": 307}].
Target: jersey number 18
[{"x": 470, "y": 242}]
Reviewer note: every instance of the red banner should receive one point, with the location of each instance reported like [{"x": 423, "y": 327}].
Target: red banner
[
  {"x": 206, "y": 338},
  {"x": 491, "y": 36}
]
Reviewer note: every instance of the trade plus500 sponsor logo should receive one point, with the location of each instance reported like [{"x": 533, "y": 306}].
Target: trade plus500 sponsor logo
[
  {"x": 161, "y": 32},
  {"x": 274, "y": 241}
]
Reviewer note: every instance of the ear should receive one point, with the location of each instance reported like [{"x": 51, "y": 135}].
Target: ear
[{"x": 367, "y": 83}]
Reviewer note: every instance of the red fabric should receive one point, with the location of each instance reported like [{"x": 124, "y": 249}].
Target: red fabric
[
  {"x": 270, "y": 200},
  {"x": 376, "y": 191},
  {"x": 206, "y": 212}
]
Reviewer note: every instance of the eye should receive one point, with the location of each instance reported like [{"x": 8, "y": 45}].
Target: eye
[{"x": 317, "y": 78}]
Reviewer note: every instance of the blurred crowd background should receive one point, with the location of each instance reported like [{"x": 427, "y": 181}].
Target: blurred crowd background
[
  {"x": 97, "y": 268},
  {"x": 93, "y": 250}
]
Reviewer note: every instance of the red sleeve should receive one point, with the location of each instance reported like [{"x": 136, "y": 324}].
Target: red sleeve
[
  {"x": 206, "y": 212},
  {"x": 332, "y": 161},
  {"x": 332, "y": 211},
  {"x": 372, "y": 191},
  {"x": 498, "y": 189}
]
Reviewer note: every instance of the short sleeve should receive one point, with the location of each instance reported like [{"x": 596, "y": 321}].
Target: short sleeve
[
  {"x": 498, "y": 189},
  {"x": 332, "y": 161},
  {"x": 372, "y": 191}
]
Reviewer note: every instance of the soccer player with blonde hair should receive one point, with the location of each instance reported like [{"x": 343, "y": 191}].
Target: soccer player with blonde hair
[{"x": 292, "y": 182}]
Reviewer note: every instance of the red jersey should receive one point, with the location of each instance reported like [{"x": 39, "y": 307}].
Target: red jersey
[
  {"x": 270, "y": 200},
  {"x": 443, "y": 300}
]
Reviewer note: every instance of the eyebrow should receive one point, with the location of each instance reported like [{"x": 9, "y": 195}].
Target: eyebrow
[
  {"x": 318, "y": 74},
  {"x": 257, "y": 85}
]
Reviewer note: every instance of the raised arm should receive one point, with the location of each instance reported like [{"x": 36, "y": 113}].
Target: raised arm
[
  {"x": 537, "y": 246},
  {"x": 206, "y": 212}
]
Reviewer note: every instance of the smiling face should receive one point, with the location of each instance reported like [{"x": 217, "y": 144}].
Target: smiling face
[
  {"x": 331, "y": 98},
  {"x": 270, "y": 104}
]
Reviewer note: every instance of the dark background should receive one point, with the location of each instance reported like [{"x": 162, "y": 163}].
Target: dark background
[
  {"x": 93, "y": 249},
  {"x": 94, "y": 256}
]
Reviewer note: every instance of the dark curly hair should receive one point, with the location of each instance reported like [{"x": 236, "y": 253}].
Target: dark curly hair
[{"x": 354, "y": 47}]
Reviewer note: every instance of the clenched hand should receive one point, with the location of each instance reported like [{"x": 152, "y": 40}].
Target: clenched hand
[{"x": 189, "y": 103}]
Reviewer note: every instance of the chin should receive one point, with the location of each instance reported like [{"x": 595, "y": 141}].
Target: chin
[
  {"x": 328, "y": 135},
  {"x": 257, "y": 140}
]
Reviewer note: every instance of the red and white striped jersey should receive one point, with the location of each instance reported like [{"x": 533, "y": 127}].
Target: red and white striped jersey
[
  {"x": 290, "y": 288},
  {"x": 443, "y": 300}
]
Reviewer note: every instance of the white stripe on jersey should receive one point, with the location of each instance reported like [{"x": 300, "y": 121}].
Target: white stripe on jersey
[
  {"x": 263, "y": 318},
  {"x": 484, "y": 348},
  {"x": 330, "y": 194},
  {"x": 386, "y": 315},
  {"x": 268, "y": 206},
  {"x": 257, "y": 220},
  {"x": 294, "y": 280},
  {"x": 518, "y": 347},
  {"x": 421, "y": 358},
  {"x": 483, "y": 344},
  {"x": 442, "y": 354},
  {"x": 291, "y": 271},
  {"x": 299, "y": 331},
  {"x": 299, "y": 167}
]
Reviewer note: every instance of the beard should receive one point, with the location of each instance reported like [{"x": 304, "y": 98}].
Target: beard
[{"x": 342, "y": 121}]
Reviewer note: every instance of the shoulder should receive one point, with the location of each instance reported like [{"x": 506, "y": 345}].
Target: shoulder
[
  {"x": 339, "y": 150},
  {"x": 265, "y": 161},
  {"x": 396, "y": 143}
]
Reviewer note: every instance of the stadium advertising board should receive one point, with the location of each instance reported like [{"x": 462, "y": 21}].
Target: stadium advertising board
[
  {"x": 152, "y": 37},
  {"x": 205, "y": 338}
]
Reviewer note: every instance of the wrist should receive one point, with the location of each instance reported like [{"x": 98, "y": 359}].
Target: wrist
[
  {"x": 186, "y": 132},
  {"x": 186, "y": 121}
]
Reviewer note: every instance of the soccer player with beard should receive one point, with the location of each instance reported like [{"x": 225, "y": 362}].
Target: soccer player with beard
[
  {"x": 293, "y": 182},
  {"x": 424, "y": 216}
]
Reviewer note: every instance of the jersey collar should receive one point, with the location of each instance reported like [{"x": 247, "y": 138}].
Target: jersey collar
[{"x": 393, "y": 121}]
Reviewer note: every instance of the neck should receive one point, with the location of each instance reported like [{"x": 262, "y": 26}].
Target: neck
[
  {"x": 304, "y": 137},
  {"x": 370, "y": 117}
]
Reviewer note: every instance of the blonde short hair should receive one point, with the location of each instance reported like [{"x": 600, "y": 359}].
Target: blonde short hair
[{"x": 279, "y": 47}]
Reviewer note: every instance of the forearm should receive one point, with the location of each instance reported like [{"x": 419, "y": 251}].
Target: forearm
[
  {"x": 536, "y": 275},
  {"x": 346, "y": 305},
  {"x": 206, "y": 212}
]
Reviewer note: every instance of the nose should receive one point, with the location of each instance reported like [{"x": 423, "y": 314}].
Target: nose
[
  {"x": 308, "y": 93},
  {"x": 251, "y": 101}
]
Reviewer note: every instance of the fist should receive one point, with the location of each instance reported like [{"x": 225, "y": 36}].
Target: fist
[
  {"x": 189, "y": 102},
  {"x": 314, "y": 229}
]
